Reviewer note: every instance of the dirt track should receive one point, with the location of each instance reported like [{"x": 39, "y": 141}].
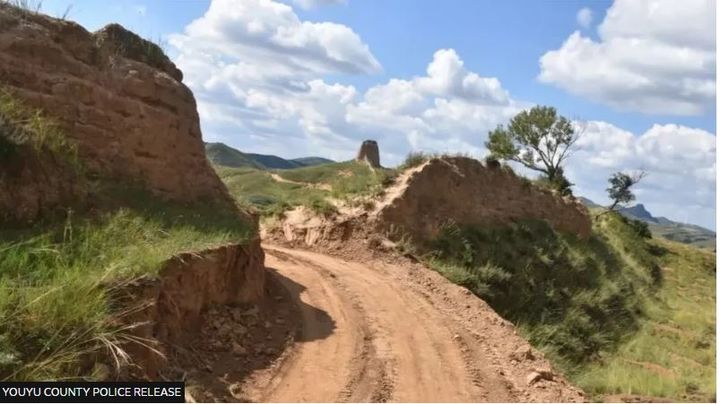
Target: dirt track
[{"x": 382, "y": 332}]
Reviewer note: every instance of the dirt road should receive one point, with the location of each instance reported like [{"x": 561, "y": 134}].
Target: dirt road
[{"x": 375, "y": 332}]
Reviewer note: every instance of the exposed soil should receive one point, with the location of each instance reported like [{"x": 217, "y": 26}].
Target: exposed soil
[
  {"x": 380, "y": 330},
  {"x": 234, "y": 341}
]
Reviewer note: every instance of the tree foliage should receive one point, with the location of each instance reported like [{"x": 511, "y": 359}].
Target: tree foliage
[
  {"x": 540, "y": 140},
  {"x": 620, "y": 189}
]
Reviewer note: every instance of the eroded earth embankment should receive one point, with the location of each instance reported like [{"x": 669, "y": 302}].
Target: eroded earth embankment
[
  {"x": 376, "y": 325},
  {"x": 351, "y": 322}
]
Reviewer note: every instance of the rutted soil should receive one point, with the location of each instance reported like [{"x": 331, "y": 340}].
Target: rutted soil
[{"x": 370, "y": 331}]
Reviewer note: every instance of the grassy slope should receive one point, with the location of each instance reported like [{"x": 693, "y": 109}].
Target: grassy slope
[
  {"x": 673, "y": 353},
  {"x": 221, "y": 154},
  {"x": 224, "y": 155},
  {"x": 345, "y": 180},
  {"x": 605, "y": 310},
  {"x": 55, "y": 276}
]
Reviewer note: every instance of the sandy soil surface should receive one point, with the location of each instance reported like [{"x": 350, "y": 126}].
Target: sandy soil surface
[{"x": 382, "y": 331}]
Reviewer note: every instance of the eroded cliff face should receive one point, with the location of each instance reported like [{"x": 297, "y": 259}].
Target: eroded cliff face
[
  {"x": 465, "y": 191},
  {"x": 168, "y": 310},
  {"x": 117, "y": 97}
]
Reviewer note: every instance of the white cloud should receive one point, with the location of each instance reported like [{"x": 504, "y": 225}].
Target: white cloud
[
  {"x": 248, "y": 90},
  {"x": 449, "y": 109},
  {"x": 308, "y": 4},
  {"x": 447, "y": 76},
  {"x": 653, "y": 56},
  {"x": 259, "y": 76},
  {"x": 268, "y": 31},
  {"x": 680, "y": 162},
  {"x": 584, "y": 17}
]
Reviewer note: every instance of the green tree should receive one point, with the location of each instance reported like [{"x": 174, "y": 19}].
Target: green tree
[
  {"x": 620, "y": 191},
  {"x": 540, "y": 140}
]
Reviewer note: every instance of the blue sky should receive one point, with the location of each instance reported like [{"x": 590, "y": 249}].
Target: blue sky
[
  {"x": 657, "y": 99},
  {"x": 502, "y": 39}
]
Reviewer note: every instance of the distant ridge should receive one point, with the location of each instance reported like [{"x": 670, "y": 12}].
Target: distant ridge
[
  {"x": 224, "y": 155},
  {"x": 661, "y": 226}
]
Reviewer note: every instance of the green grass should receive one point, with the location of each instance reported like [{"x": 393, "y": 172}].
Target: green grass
[
  {"x": 347, "y": 180},
  {"x": 256, "y": 188},
  {"x": 21, "y": 125},
  {"x": 569, "y": 296},
  {"x": 350, "y": 178},
  {"x": 673, "y": 353},
  {"x": 613, "y": 312},
  {"x": 56, "y": 279},
  {"x": 414, "y": 159}
]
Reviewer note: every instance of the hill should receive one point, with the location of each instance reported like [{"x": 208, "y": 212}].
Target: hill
[
  {"x": 627, "y": 318},
  {"x": 663, "y": 227},
  {"x": 224, "y": 155},
  {"x": 105, "y": 208}
]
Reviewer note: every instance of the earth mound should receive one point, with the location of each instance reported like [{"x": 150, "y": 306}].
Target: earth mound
[
  {"x": 115, "y": 96},
  {"x": 427, "y": 197}
]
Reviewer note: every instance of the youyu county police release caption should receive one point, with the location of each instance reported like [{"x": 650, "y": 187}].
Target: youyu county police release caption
[{"x": 100, "y": 392}]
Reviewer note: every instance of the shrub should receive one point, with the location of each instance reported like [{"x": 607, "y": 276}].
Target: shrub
[
  {"x": 54, "y": 278},
  {"x": 571, "y": 296},
  {"x": 640, "y": 227},
  {"x": 23, "y": 125},
  {"x": 414, "y": 159}
]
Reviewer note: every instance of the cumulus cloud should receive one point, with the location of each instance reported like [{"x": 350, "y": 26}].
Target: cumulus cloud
[
  {"x": 259, "y": 74},
  {"x": 680, "y": 162},
  {"x": 584, "y": 17},
  {"x": 652, "y": 56},
  {"x": 270, "y": 32},
  {"x": 261, "y": 89},
  {"x": 308, "y": 4}
]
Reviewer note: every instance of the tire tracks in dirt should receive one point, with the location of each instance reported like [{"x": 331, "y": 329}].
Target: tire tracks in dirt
[{"x": 403, "y": 349}]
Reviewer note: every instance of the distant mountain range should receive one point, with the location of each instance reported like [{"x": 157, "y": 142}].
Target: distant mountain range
[
  {"x": 224, "y": 155},
  {"x": 664, "y": 227}
]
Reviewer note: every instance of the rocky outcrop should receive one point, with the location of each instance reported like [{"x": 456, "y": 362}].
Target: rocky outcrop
[
  {"x": 169, "y": 310},
  {"x": 465, "y": 191},
  {"x": 370, "y": 153},
  {"x": 117, "y": 97}
]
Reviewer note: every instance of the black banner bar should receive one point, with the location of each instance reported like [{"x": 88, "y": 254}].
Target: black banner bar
[{"x": 92, "y": 392}]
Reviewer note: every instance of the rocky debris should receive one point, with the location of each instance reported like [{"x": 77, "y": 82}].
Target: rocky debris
[
  {"x": 538, "y": 375},
  {"x": 233, "y": 342},
  {"x": 170, "y": 307},
  {"x": 369, "y": 152},
  {"x": 522, "y": 354},
  {"x": 117, "y": 97}
]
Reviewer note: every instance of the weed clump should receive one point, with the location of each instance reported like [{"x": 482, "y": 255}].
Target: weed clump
[
  {"x": 414, "y": 159},
  {"x": 21, "y": 125},
  {"x": 56, "y": 277}
]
